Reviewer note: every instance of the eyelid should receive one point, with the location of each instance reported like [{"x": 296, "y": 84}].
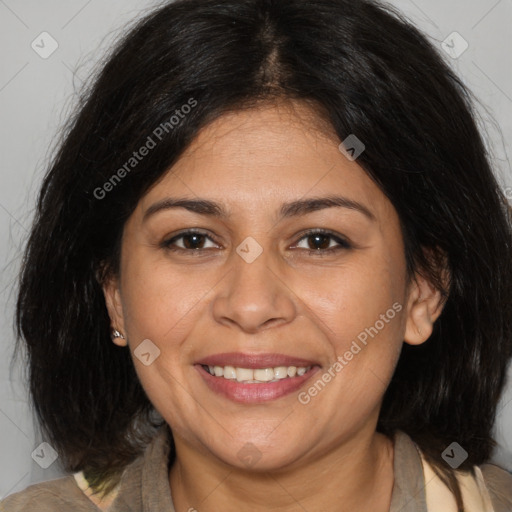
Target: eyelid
[
  {"x": 340, "y": 239},
  {"x": 343, "y": 243},
  {"x": 192, "y": 231}
]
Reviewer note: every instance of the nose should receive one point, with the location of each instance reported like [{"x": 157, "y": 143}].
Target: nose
[{"x": 253, "y": 297}]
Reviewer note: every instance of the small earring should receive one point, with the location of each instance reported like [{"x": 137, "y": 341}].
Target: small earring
[{"x": 117, "y": 334}]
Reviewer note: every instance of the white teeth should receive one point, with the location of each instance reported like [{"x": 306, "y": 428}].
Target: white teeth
[
  {"x": 229, "y": 372},
  {"x": 244, "y": 374},
  {"x": 264, "y": 374},
  {"x": 280, "y": 372},
  {"x": 257, "y": 375}
]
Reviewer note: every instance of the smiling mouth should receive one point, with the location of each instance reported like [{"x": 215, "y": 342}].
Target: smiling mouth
[{"x": 256, "y": 375}]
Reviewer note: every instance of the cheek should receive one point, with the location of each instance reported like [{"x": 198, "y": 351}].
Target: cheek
[
  {"x": 359, "y": 298},
  {"x": 363, "y": 310},
  {"x": 364, "y": 359},
  {"x": 158, "y": 315},
  {"x": 159, "y": 301}
]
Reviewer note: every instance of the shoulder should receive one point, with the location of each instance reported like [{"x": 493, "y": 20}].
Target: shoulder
[
  {"x": 499, "y": 485},
  {"x": 51, "y": 496},
  {"x": 71, "y": 493},
  {"x": 487, "y": 487}
]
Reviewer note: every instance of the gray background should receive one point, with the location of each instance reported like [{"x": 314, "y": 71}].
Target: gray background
[{"x": 36, "y": 95}]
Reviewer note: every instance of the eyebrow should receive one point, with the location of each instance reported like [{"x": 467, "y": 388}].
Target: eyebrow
[{"x": 296, "y": 208}]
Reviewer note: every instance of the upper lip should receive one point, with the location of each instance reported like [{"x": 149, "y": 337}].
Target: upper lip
[{"x": 253, "y": 361}]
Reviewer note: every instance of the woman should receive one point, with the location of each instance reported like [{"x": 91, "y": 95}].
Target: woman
[{"x": 270, "y": 270}]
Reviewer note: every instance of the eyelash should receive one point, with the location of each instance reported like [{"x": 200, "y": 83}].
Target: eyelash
[{"x": 167, "y": 244}]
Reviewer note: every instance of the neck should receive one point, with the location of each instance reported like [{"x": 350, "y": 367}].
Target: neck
[{"x": 358, "y": 473}]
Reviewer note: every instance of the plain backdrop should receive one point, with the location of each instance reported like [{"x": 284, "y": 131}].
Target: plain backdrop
[{"x": 36, "y": 95}]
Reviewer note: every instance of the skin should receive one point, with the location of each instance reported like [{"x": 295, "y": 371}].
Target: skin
[{"x": 197, "y": 303}]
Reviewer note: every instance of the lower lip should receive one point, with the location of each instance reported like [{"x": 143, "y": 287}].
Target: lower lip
[{"x": 254, "y": 393}]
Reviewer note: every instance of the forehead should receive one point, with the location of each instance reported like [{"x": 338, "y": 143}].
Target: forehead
[{"x": 263, "y": 157}]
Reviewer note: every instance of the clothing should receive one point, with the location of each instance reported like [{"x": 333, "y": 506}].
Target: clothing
[{"x": 144, "y": 486}]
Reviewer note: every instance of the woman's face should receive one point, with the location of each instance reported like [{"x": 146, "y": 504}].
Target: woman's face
[{"x": 252, "y": 290}]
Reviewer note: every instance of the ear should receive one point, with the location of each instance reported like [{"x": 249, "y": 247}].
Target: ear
[
  {"x": 112, "y": 295},
  {"x": 425, "y": 304}
]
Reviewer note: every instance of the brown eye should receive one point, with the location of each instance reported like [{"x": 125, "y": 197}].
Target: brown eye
[
  {"x": 319, "y": 241},
  {"x": 190, "y": 241}
]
